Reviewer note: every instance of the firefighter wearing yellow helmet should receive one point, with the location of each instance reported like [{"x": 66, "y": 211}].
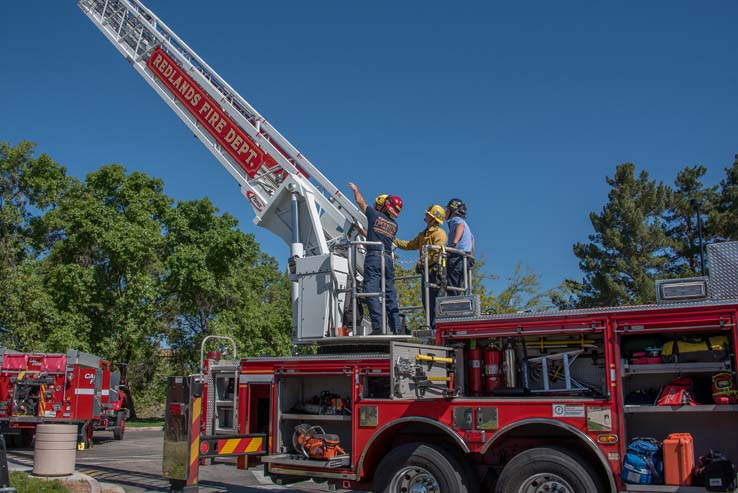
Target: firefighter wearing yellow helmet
[{"x": 433, "y": 234}]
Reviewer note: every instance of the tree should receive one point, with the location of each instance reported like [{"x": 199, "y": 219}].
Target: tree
[
  {"x": 220, "y": 283},
  {"x": 28, "y": 186},
  {"x": 522, "y": 293},
  {"x": 688, "y": 198},
  {"x": 629, "y": 247},
  {"x": 724, "y": 217},
  {"x": 104, "y": 266}
]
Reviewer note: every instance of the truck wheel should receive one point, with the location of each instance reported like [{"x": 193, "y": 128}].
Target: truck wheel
[
  {"x": 120, "y": 426},
  {"x": 417, "y": 467},
  {"x": 547, "y": 469}
]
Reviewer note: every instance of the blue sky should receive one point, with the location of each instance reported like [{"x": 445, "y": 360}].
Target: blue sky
[{"x": 519, "y": 108}]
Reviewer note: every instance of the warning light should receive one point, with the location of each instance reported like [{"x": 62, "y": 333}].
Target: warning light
[
  {"x": 176, "y": 409},
  {"x": 609, "y": 439}
]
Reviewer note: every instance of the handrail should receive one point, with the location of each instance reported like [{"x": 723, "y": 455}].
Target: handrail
[{"x": 202, "y": 349}]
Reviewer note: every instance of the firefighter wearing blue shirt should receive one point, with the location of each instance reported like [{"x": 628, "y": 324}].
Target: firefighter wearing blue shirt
[
  {"x": 459, "y": 237},
  {"x": 382, "y": 227}
]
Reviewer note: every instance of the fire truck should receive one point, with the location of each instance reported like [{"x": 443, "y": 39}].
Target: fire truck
[
  {"x": 526, "y": 402},
  {"x": 71, "y": 388}
]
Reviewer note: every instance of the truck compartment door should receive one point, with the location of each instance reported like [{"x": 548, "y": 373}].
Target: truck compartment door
[{"x": 419, "y": 371}]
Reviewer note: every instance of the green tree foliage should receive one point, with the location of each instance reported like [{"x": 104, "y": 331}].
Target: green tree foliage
[
  {"x": 629, "y": 246},
  {"x": 222, "y": 284},
  {"x": 724, "y": 216},
  {"x": 28, "y": 316},
  {"x": 523, "y": 292},
  {"x": 688, "y": 196},
  {"x": 26, "y": 183},
  {"x": 110, "y": 266}
]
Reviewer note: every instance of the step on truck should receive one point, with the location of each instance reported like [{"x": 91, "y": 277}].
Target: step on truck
[
  {"x": 70, "y": 388},
  {"x": 529, "y": 402}
]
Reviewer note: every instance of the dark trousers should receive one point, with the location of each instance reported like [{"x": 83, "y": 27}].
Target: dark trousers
[
  {"x": 455, "y": 272},
  {"x": 373, "y": 284}
]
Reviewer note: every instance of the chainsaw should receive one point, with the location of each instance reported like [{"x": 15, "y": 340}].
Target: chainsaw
[{"x": 312, "y": 442}]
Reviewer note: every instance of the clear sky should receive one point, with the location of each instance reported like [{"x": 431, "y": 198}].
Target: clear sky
[{"x": 519, "y": 108}]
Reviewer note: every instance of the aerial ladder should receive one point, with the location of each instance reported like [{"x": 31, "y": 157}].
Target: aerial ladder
[{"x": 288, "y": 194}]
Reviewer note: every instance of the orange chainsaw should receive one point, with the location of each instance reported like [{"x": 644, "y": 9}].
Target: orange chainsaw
[{"x": 313, "y": 442}]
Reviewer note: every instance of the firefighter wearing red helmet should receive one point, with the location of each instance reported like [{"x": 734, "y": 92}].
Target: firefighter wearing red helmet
[{"x": 381, "y": 228}]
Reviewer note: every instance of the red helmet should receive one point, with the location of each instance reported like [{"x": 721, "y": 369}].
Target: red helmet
[{"x": 393, "y": 205}]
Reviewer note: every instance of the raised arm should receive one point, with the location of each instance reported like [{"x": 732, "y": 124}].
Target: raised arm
[{"x": 358, "y": 197}]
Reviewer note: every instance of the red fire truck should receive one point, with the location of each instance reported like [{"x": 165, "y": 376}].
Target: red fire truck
[
  {"x": 515, "y": 402},
  {"x": 529, "y": 402},
  {"x": 75, "y": 388}
]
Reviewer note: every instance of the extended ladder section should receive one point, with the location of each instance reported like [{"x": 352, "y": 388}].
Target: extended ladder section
[{"x": 288, "y": 194}]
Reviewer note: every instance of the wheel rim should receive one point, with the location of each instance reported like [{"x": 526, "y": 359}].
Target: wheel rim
[
  {"x": 546, "y": 483},
  {"x": 414, "y": 479}
]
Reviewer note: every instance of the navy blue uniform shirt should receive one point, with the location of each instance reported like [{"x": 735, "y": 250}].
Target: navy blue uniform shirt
[{"x": 381, "y": 228}]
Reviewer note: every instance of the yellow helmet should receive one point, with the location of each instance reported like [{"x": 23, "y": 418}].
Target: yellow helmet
[
  {"x": 379, "y": 201},
  {"x": 437, "y": 212}
]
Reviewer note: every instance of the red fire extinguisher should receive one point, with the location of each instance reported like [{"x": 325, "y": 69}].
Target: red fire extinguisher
[
  {"x": 474, "y": 357},
  {"x": 492, "y": 361}
]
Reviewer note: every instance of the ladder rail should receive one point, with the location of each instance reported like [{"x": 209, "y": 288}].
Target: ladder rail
[{"x": 134, "y": 14}]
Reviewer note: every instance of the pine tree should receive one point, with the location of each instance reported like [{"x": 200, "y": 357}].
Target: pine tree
[
  {"x": 686, "y": 201},
  {"x": 629, "y": 247},
  {"x": 724, "y": 218}
]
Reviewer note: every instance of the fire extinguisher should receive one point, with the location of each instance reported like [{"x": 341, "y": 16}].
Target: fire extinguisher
[
  {"x": 492, "y": 360},
  {"x": 474, "y": 357}
]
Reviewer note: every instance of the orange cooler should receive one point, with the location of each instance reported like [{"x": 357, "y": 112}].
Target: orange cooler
[{"x": 678, "y": 459}]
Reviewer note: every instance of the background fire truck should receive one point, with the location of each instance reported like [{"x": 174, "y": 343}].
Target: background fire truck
[
  {"x": 530, "y": 402},
  {"x": 75, "y": 387}
]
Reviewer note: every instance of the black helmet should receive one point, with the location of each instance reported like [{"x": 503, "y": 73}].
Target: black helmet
[{"x": 457, "y": 206}]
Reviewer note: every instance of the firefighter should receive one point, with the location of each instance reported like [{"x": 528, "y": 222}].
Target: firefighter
[
  {"x": 382, "y": 227},
  {"x": 433, "y": 234},
  {"x": 378, "y": 204},
  {"x": 460, "y": 237}
]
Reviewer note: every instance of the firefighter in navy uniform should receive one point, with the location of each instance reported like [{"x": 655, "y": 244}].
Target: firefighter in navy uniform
[
  {"x": 431, "y": 235},
  {"x": 461, "y": 238},
  {"x": 382, "y": 227}
]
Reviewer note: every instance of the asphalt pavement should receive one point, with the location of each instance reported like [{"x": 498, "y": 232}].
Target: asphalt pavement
[{"x": 134, "y": 464}]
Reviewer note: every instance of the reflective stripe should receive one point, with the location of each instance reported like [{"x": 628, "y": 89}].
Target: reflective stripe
[{"x": 84, "y": 391}]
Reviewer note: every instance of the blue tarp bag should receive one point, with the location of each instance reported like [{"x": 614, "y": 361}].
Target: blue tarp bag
[{"x": 644, "y": 462}]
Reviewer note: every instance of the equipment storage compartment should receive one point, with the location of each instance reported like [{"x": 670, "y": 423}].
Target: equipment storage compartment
[
  {"x": 315, "y": 413},
  {"x": 535, "y": 366},
  {"x": 665, "y": 392}
]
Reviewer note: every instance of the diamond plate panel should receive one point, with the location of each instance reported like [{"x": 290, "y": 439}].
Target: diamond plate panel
[{"x": 723, "y": 270}]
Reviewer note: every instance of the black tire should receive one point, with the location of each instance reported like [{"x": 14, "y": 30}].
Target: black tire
[
  {"x": 120, "y": 426},
  {"x": 418, "y": 463},
  {"x": 547, "y": 467}
]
